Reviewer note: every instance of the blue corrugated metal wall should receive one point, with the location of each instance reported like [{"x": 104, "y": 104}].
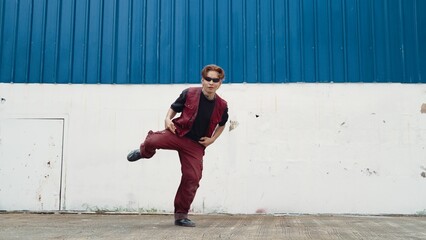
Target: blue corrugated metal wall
[{"x": 256, "y": 41}]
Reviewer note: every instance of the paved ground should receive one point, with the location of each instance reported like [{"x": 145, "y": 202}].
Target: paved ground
[{"x": 115, "y": 226}]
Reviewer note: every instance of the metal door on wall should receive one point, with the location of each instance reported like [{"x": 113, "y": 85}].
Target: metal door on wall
[{"x": 31, "y": 164}]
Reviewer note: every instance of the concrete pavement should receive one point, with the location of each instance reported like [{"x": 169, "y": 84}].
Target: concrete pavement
[{"x": 133, "y": 226}]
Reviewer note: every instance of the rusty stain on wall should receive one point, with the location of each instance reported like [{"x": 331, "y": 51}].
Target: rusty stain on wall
[
  {"x": 233, "y": 125},
  {"x": 369, "y": 172},
  {"x": 261, "y": 211},
  {"x": 423, "y": 108},
  {"x": 423, "y": 174}
]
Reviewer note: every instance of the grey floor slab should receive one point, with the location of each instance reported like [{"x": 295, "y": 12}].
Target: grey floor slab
[{"x": 118, "y": 226}]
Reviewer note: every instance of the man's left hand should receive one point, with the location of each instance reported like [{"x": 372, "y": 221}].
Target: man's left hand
[{"x": 206, "y": 141}]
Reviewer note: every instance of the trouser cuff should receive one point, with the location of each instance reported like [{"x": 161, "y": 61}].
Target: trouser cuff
[{"x": 180, "y": 216}]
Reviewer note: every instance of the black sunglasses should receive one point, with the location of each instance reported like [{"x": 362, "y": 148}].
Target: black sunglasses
[{"x": 215, "y": 80}]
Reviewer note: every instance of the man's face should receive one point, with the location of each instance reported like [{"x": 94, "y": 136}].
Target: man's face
[{"x": 210, "y": 86}]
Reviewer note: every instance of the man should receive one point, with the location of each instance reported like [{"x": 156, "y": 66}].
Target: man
[{"x": 202, "y": 120}]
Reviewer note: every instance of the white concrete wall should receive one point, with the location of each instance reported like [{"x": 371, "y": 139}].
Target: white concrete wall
[{"x": 294, "y": 148}]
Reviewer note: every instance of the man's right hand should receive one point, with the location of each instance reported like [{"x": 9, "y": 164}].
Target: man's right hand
[{"x": 170, "y": 125}]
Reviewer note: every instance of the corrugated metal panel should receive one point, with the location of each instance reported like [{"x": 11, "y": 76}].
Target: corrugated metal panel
[{"x": 168, "y": 41}]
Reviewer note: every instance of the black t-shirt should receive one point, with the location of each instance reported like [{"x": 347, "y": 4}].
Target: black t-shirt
[{"x": 202, "y": 120}]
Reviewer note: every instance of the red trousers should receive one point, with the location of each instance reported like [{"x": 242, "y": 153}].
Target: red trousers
[{"x": 191, "y": 159}]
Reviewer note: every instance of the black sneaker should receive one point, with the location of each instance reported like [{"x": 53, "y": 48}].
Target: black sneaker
[
  {"x": 184, "y": 222},
  {"x": 134, "y": 155}
]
